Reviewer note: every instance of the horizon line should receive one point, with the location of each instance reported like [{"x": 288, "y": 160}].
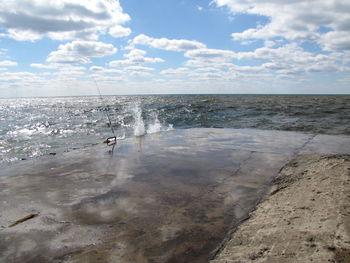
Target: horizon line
[{"x": 184, "y": 94}]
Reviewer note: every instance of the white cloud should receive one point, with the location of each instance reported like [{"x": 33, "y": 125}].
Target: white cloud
[
  {"x": 72, "y": 74},
  {"x": 125, "y": 70},
  {"x": 271, "y": 60},
  {"x": 20, "y": 77},
  {"x": 208, "y": 69},
  {"x": 102, "y": 70},
  {"x": 60, "y": 19},
  {"x": 102, "y": 79},
  {"x": 135, "y": 57},
  {"x": 8, "y": 63},
  {"x": 289, "y": 52},
  {"x": 139, "y": 68},
  {"x": 167, "y": 44},
  {"x": 293, "y": 58},
  {"x": 217, "y": 58},
  {"x": 269, "y": 43},
  {"x": 171, "y": 71},
  {"x": 199, "y": 74},
  {"x": 69, "y": 67},
  {"x": 210, "y": 54},
  {"x": 142, "y": 74},
  {"x": 42, "y": 66},
  {"x": 2, "y": 50},
  {"x": 69, "y": 73},
  {"x": 119, "y": 31},
  {"x": 336, "y": 40},
  {"x": 297, "y": 20},
  {"x": 80, "y": 52}
]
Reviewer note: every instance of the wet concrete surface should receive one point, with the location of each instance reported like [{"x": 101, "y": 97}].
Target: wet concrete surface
[{"x": 170, "y": 197}]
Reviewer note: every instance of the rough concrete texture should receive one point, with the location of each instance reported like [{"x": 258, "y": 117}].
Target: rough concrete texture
[{"x": 304, "y": 218}]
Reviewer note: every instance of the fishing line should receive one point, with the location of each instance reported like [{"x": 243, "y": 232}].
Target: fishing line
[
  {"x": 108, "y": 117},
  {"x": 111, "y": 141}
]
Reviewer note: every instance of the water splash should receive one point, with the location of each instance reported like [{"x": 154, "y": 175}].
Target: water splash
[
  {"x": 154, "y": 127},
  {"x": 150, "y": 124},
  {"x": 139, "y": 126}
]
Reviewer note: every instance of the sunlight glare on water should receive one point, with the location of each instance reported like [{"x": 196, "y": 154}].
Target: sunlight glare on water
[{"x": 31, "y": 127}]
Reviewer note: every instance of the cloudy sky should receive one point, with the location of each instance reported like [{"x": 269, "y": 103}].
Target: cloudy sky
[{"x": 64, "y": 47}]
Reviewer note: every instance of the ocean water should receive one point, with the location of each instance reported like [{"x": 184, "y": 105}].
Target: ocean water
[{"x": 32, "y": 127}]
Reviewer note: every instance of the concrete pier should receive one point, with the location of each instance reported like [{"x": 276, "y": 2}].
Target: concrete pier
[{"x": 167, "y": 197}]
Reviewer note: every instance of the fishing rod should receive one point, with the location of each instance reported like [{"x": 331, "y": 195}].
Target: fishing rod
[{"x": 110, "y": 141}]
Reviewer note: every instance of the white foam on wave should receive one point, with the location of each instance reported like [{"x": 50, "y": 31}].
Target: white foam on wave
[{"x": 22, "y": 132}]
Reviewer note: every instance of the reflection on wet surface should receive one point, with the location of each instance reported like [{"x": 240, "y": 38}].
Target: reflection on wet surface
[{"x": 169, "y": 197}]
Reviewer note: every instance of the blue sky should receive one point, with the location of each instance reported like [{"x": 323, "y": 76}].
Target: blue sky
[{"x": 61, "y": 47}]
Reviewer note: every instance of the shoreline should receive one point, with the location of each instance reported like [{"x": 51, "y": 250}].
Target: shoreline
[{"x": 304, "y": 217}]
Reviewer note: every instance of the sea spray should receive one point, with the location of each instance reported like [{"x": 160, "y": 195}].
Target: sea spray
[
  {"x": 154, "y": 126},
  {"x": 139, "y": 126},
  {"x": 150, "y": 125}
]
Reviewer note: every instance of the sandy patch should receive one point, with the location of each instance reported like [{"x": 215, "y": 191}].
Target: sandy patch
[{"x": 304, "y": 218}]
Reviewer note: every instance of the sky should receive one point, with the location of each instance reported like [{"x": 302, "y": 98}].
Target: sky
[{"x": 71, "y": 47}]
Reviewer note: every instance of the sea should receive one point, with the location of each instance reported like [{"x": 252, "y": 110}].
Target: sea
[{"x": 34, "y": 127}]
